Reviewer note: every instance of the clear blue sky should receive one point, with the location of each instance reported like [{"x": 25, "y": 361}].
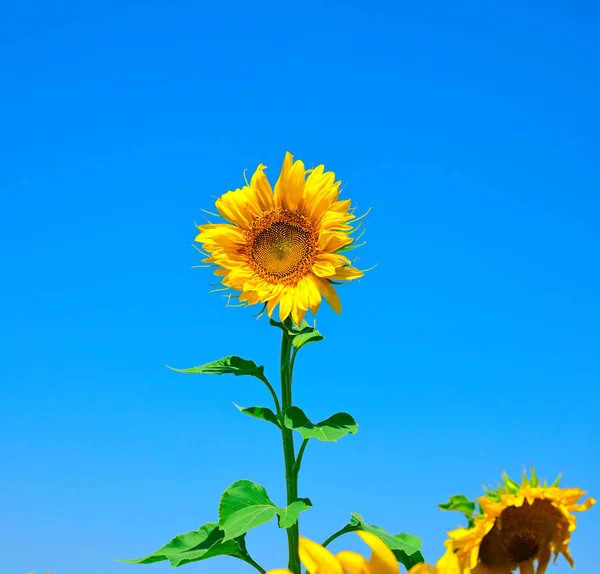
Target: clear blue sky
[{"x": 470, "y": 128}]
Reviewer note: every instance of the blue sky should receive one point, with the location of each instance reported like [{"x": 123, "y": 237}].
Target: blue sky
[{"x": 470, "y": 128}]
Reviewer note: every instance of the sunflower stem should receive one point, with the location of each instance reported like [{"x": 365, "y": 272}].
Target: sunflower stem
[
  {"x": 291, "y": 477},
  {"x": 339, "y": 533}
]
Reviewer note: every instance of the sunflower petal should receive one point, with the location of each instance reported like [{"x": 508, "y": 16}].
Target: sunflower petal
[
  {"x": 382, "y": 560},
  {"x": 263, "y": 194},
  {"x": 323, "y": 269},
  {"x": 289, "y": 188},
  {"x": 353, "y": 563},
  {"x": 316, "y": 559},
  {"x": 330, "y": 294},
  {"x": 233, "y": 206},
  {"x": 347, "y": 273}
]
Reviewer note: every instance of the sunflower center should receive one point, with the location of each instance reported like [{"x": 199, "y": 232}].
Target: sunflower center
[
  {"x": 281, "y": 246},
  {"x": 519, "y": 534}
]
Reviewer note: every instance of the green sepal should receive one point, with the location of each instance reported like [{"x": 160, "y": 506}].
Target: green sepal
[
  {"x": 329, "y": 430},
  {"x": 206, "y": 542},
  {"x": 533, "y": 481},
  {"x": 460, "y": 503},
  {"x": 509, "y": 484}
]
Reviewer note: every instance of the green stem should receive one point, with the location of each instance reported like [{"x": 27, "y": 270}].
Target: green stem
[
  {"x": 274, "y": 395},
  {"x": 299, "y": 457},
  {"x": 291, "y": 479},
  {"x": 339, "y": 533}
]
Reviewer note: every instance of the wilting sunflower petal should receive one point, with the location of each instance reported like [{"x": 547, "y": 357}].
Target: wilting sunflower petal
[{"x": 280, "y": 247}]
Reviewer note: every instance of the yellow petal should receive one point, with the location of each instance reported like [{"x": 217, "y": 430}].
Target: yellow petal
[
  {"x": 330, "y": 294},
  {"x": 341, "y": 206},
  {"x": 322, "y": 205},
  {"x": 420, "y": 569},
  {"x": 233, "y": 206},
  {"x": 279, "y": 572},
  {"x": 448, "y": 563},
  {"x": 336, "y": 259},
  {"x": 330, "y": 241},
  {"x": 263, "y": 194},
  {"x": 316, "y": 559},
  {"x": 323, "y": 269},
  {"x": 289, "y": 188},
  {"x": 285, "y": 304},
  {"x": 271, "y": 304},
  {"x": 302, "y": 290},
  {"x": 334, "y": 221},
  {"x": 353, "y": 563},
  {"x": 298, "y": 315},
  {"x": 382, "y": 560},
  {"x": 314, "y": 295},
  {"x": 346, "y": 274},
  {"x": 319, "y": 192}
]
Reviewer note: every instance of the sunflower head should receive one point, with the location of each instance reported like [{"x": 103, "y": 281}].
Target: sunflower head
[
  {"x": 284, "y": 246},
  {"x": 519, "y": 525}
]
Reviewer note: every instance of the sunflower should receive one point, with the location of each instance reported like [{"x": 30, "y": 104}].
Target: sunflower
[
  {"x": 318, "y": 560},
  {"x": 519, "y": 525},
  {"x": 284, "y": 246}
]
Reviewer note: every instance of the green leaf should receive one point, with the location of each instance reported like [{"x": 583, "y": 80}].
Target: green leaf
[
  {"x": 194, "y": 546},
  {"x": 405, "y": 547},
  {"x": 305, "y": 338},
  {"x": 260, "y": 413},
  {"x": 244, "y": 505},
  {"x": 329, "y": 430},
  {"x": 289, "y": 516},
  {"x": 227, "y": 365},
  {"x": 460, "y": 503}
]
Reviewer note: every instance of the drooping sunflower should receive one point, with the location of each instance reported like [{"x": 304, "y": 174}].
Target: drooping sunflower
[
  {"x": 519, "y": 525},
  {"x": 284, "y": 246},
  {"x": 318, "y": 560}
]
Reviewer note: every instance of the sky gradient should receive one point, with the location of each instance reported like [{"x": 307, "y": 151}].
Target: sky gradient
[{"x": 470, "y": 129}]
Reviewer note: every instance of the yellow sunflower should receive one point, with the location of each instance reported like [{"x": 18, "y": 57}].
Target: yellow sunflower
[
  {"x": 519, "y": 525},
  {"x": 318, "y": 560},
  {"x": 284, "y": 246}
]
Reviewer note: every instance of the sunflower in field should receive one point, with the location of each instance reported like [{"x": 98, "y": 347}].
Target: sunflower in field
[
  {"x": 284, "y": 246},
  {"x": 520, "y": 527}
]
